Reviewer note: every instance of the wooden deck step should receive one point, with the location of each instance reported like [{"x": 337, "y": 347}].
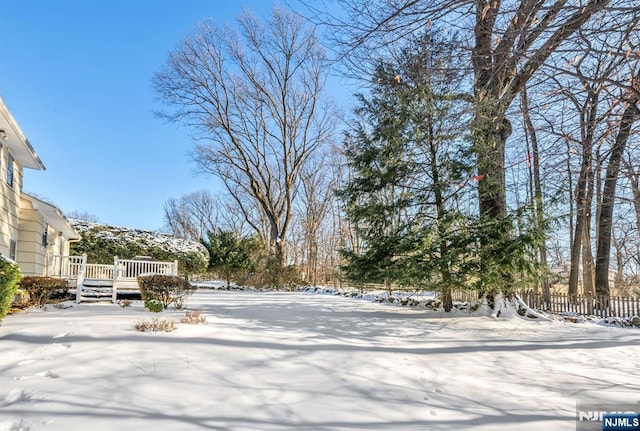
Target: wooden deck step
[
  {"x": 96, "y": 299},
  {"x": 96, "y": 282},
  {"x": 97, "y": 293},
  {"x": 97, "y": 290}
]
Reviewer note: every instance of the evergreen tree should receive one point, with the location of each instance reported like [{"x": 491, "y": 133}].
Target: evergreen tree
[
  {"x": 408, "y": 156},
  {"x": 412, "y": 184},
  {"x": 229, "y": 255}
]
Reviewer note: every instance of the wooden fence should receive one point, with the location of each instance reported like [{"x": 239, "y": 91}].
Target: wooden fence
[
  {"x": 601, "y": 306},
  {"x": 465, "y": 295}
]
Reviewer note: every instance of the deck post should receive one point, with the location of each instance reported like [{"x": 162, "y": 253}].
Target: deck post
[
  {"x": 114, "y": 292},
  {"x": 80, "y": 278}
]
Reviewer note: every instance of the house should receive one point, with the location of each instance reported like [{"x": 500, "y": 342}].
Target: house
[
  {"x": 32, "y": 232},
  {"x": 44, "y": 237},
  {"x": 36, "y": 235}
]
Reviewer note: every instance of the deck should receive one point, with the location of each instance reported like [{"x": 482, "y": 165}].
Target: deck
[{"x": 99, "y": 282}]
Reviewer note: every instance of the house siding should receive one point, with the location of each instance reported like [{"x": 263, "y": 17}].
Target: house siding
[
  {"x": 9, "y": 202},
  {"x": 35, "y": 216},
  {"x": 32, "y": 256}
]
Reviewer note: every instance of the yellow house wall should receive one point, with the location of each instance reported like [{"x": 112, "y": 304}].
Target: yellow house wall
[
  {"x": 31, "y": 255},
  {"x": 9, "y": 202}
]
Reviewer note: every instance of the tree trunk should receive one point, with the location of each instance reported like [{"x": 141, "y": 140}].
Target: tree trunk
[
  {"x": 313, "y": 259},
  {"x": 570, "y": 191},
  {"x": 490, "y": 136},
  {"x": 584, "y": 196},
  {"x": 579, "y": 225},
  {"x": 491, "y": 130},
  {"x": 608, "y": 195},
  {"x": 537, "y": 200},
  {"x": 587, "y": 258},
  {"x": 588, "y": 267}
]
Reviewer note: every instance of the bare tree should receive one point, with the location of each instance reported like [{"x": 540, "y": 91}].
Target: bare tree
[
  {"x": 315, "y": 200},
  {"x": 191, "y": 216},
  {"x": 83, "y": 215},
  {"x": 537, "y": 198},
  {"x": 254, "y": 94},
  {"x": 194, "y": 215}
]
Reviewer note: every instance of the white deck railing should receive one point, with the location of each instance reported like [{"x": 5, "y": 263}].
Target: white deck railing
[
  {"x": 98, "y": 271},
  {"x": 64, "y": 266},
  {"x": 130, "y": 269}
]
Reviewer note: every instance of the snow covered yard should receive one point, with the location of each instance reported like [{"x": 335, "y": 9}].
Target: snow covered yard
[{"x": 296, "y": 361}]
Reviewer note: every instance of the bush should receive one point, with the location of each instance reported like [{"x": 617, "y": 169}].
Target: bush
[
  {"x": 125, "y": 303},
  {"x": 168, "y": 289},
  {"x": 154, "y": 325},
  {"x": 42, "y": 289},
  {"x": 194, "y": 318},
  {"x": 272, "y": 274},
  {"x": 9, "y": 276},
  {"x": 153, "y": 305}
]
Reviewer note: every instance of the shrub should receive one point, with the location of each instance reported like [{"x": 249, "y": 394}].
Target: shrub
[
  {"x": 153, "y": 305},
  {"x": 42, "y": 289},
  {"x": 125, "y": 303},
  {"x": 9, "y": 277},
  {"x": 154, "y": 325},
  {"x": 272, "y": 274},
  {"x": 193, "y": 318},
  {"x": 167, "y": 289}
]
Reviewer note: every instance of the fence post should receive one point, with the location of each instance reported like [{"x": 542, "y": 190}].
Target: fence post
[
  {"x": 80, "y": 278},
  {"x": 114, "y": 290}
]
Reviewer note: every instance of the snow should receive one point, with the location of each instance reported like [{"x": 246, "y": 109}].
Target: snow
[{"x": 301, "y": 361}]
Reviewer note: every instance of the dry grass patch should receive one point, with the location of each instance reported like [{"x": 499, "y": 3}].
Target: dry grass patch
[
  {"x": 194, "y": 318},
  {"x": 154, "y": 325}
]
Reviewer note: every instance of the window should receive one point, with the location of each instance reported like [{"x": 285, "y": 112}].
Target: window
[
  {"x": 45, "y": 235},
  {"x": 13, "y": 246},
  {"x": 10, "y": 170}
]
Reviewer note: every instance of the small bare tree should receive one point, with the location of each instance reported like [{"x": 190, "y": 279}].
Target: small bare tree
[
  {"x": 194, "y": 215},
  {"x": 83, "y": 215},
  {"x": 254, "y": 94},
  {"x": 191, "y": 216},
  {"x": 317, "y": 193}
]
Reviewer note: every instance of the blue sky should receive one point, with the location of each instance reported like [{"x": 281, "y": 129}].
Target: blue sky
[{"x": 76, "y": 75}]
